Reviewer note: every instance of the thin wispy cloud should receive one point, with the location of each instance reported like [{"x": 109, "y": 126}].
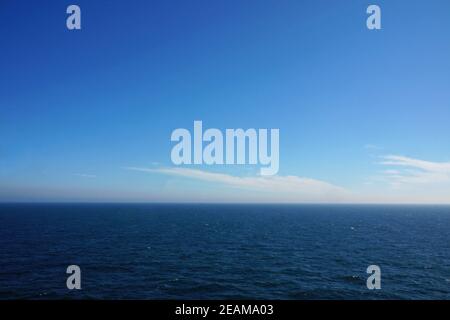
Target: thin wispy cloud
[
  {"x": 415, "y": 171},
  {"x": 411, "y": 181},
  {"x": 85, "y": 175},
  {"x": 372, "y": 147},
  {"x": 276, "y": 188}
]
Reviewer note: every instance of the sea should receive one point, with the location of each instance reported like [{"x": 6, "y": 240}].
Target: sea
[{"x": 224, "y": 251}]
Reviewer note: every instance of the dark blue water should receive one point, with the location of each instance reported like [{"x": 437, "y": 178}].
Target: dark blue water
[{"x": 224, "y": 251}]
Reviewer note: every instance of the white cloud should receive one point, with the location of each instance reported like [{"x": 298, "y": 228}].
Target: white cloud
[
  {"x": 271, "y": 188},
  {"x": 410, "y": 180},
  {"x": 415, "y": 171}
]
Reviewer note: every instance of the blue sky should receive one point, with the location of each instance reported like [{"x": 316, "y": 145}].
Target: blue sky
[{"x": 363, "y": 115}]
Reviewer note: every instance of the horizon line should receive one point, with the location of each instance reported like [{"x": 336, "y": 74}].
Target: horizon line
[{"x": 223, "y": 203}]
